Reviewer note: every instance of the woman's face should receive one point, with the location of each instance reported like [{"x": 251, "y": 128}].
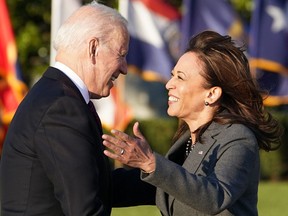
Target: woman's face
[{"x": 185, "y": 88}]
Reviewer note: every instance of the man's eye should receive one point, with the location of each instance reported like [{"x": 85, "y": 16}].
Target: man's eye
[{"x": 122, "y": 55}]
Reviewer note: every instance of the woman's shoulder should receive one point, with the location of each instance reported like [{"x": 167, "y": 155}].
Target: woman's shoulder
[
  {"x": 228, "y": 133},
  {"x": 238, "y": 128},
  {"x": 231, "y": 128}
]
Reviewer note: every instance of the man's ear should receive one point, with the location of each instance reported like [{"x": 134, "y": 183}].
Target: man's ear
[
  {"x": 93, "y": 49},
  {"x": 214, "y": 94}
]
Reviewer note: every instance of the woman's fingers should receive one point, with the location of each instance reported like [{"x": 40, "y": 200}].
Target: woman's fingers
[
  {"x": 119, "y": 135},
  {"x": 122, "y": 136},
  {"x": 114, "y": 144},
  {"x": 111, "y": 155},
  {"x": 114, "y": 141},
  {"x": 137, "y": 131},
  {"x": 132, "y": 151}
]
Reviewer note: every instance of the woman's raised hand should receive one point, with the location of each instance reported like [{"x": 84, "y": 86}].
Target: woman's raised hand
[{"x": 132, "y": 151}]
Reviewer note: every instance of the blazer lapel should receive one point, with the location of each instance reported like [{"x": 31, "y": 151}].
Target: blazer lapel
[
  {"x": 195, "y": 158},
  {"x": 177, "y": 146}
]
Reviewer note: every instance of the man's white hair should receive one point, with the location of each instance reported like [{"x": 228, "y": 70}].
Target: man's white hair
[{"x": 93, "y": 19}]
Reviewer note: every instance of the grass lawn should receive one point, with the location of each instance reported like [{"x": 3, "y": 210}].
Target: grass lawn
[
  {"x": 136, "y": 211},
  {"x": 273, "y": 201}
]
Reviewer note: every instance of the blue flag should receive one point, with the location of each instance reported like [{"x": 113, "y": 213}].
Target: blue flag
[
  {"x": 269, "y": 49},
  {"x": 216, "y": 15},
  {"x": 153, "y": 26}
]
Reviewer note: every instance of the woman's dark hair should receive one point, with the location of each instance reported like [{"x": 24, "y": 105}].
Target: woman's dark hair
[{"x": 225, "y": 65}]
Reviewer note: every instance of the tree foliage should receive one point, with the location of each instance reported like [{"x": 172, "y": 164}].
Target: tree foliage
[{"x": 31, "y": 24}]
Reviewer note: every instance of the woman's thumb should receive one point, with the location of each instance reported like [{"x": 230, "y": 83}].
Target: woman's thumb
[{"x": 137, "y": 131}]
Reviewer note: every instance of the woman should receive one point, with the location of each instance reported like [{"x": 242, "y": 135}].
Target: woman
[{"x": 213, "y": 166}]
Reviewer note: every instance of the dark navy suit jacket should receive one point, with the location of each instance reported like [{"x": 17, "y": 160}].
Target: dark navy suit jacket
[{"x": 53, "y": 162}]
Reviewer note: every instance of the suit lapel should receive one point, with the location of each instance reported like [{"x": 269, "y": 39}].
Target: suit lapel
[
  {"x": 172, "y": 154},
  {"x": 70, "y": 87},
  {"x": 195, "y": 158}
]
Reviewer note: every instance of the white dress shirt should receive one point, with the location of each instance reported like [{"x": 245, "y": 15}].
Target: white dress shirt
[{"x": 75, "y": 79}]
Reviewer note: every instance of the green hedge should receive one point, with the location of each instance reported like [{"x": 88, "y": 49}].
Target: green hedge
[
  {"x": 274, "y": 164},
  {"x": 159, "y": 133}
]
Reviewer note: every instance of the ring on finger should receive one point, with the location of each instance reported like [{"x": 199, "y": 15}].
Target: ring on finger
[{"x": 122, "y": 151}]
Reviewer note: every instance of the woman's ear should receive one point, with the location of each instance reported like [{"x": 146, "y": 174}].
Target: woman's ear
[
  {"x": 214, "y": 94},
  {"x": 93, "y": 49}
]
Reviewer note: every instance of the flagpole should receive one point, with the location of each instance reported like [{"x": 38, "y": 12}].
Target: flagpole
[
  {"x": 61, "y": 10},
  {"x": 55, "y": 23}
]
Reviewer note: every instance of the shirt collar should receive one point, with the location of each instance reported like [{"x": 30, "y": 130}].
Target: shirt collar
[{"x": 75, "y": 79}]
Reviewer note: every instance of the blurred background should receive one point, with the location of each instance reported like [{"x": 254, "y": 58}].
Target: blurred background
[{"x": 160, "y": 30}]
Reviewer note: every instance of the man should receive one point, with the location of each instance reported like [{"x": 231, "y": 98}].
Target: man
[{"x": 53, "y": 162}]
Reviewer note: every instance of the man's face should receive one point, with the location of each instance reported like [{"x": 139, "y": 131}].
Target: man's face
[{"x": 110, "y": 62}]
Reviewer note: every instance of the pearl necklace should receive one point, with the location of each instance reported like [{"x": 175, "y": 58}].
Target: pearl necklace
[{"x": 189, "y": 147}]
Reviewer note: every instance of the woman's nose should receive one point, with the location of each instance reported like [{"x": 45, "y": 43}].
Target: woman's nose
[{"x": 169, "y": 84}]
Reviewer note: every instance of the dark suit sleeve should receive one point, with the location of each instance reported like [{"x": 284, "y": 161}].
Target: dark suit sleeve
[
  {"x": 130, "y": 190},
  {"x": 70, "y": 152}
]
